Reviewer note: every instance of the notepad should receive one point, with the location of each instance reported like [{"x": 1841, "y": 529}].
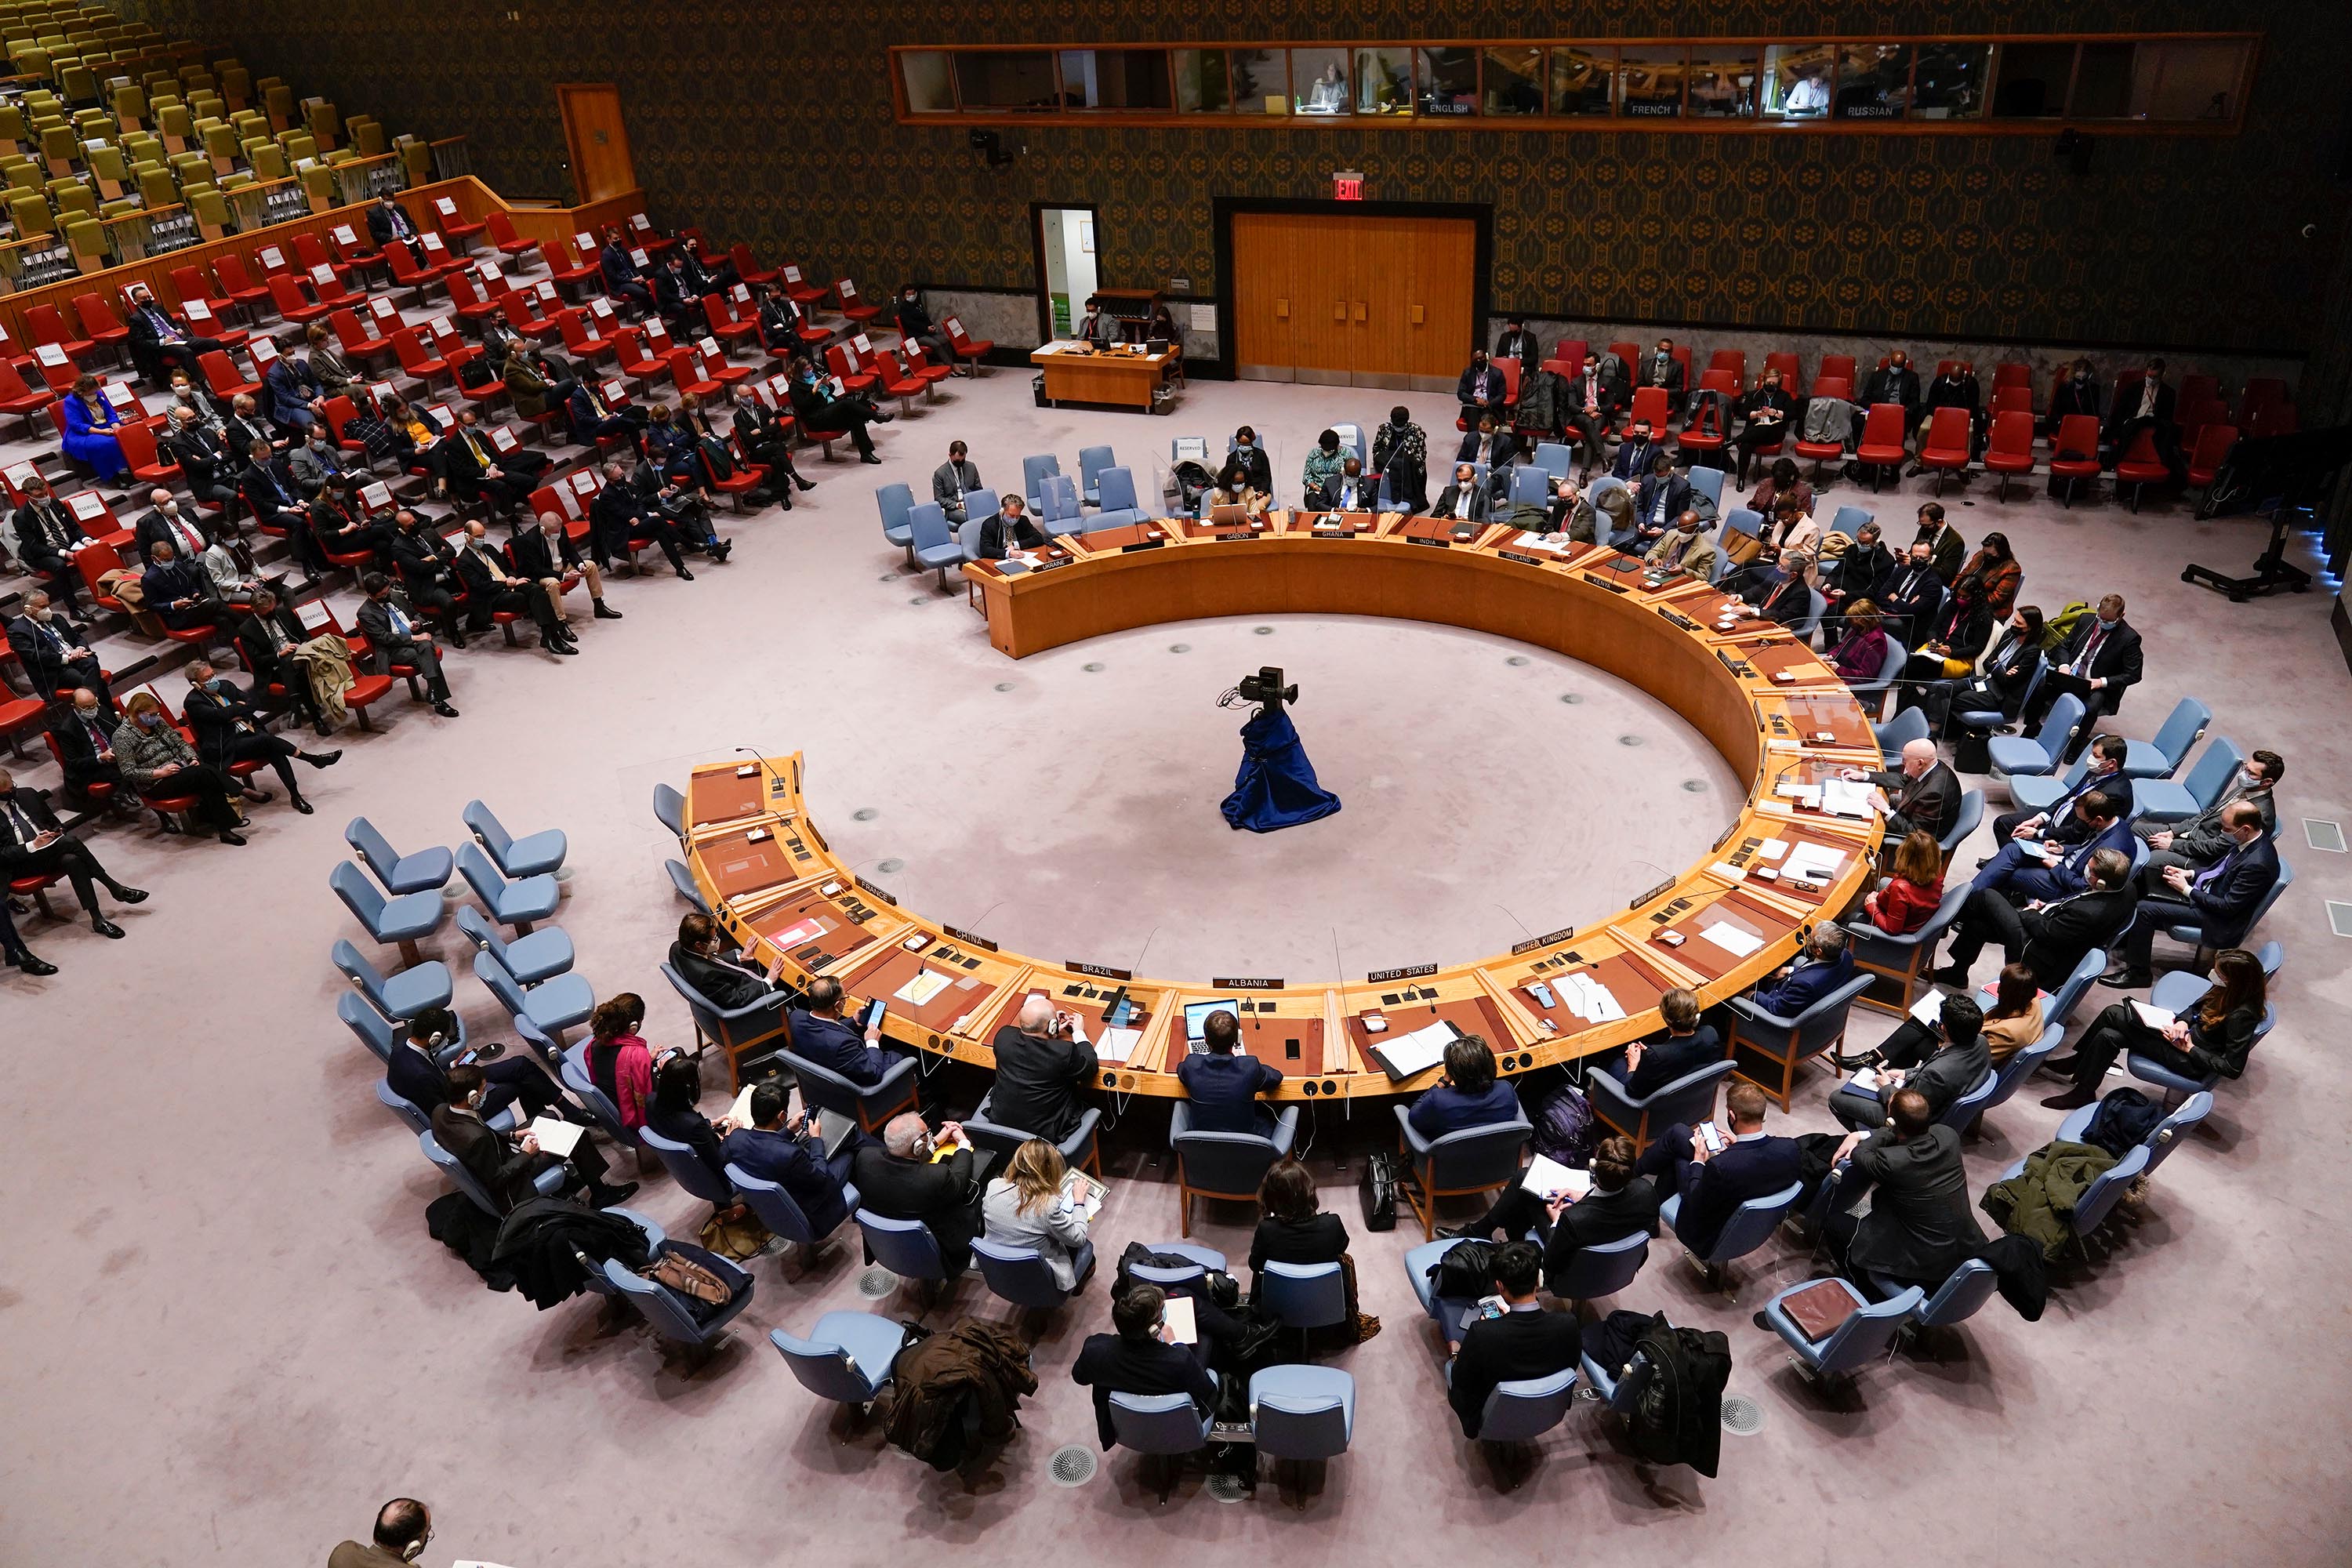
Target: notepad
[
  {"x": 1177, "y": 1313},
  {"x": 1772, "y": 849},
  {"x": 2155, "y": 1017},
  {"x": 1865, "y": 1080},
  {"x": 1846, "y": 797},
  {"x": 1085, "y": 1193},
  {"x": 1117, "y": 1044},
  {"x": 556, "y": 1138},
  {"x": 1547, "y": 1177},
  {"x": 1929, "y": 1008},
  {"x": 1422, "y": 1049},
  {"x": 1731, "y": 939},
  {"x": 921, "y": 988}
]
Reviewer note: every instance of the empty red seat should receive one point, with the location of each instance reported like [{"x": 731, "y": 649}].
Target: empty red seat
[
  {"x": 1946, "y": 445},
  {"x": 285, "y": 292},
  {"x": 243, "y": 291},
  {"x": 1881, "y": 446},
  {"x": 2141, "y": 467},
  {"x": 453, "y": 226},
  {"x": 46, "y": 324},
  {"x": 563, "y": 269},
  {"x": 856, "y": 375},
  {"x": 2212, "y": 449},
  {"x": 1835, "y": 367},
  {"x": 220, "y": 375},
  {"x": 501, "y": 231},
  {"x": 18, "y": 399},
  {"x": 2074, "y": 455},
  {"x": 1651, "y": 407},
  {"x": 726, "y": 325},
  {"x": 797, "y": 289},
  {"x": 467, "y": 296},
  {"x": 414, "y": 357},
  {"x": 749, "y": 270},
  {"x": 354, "y": 338},
  {"x": 98, "y": 320},
  {"x": 852, "y": 306},
  {"x": 2010, "y": 448},
  {"x": 919, "y": 360}
]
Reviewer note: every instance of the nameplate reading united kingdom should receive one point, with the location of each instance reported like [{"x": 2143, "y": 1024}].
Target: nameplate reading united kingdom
[{"x": 1546, "y": 940}]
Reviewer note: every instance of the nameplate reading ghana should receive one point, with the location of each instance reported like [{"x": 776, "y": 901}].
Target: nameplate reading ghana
[
  {"x": 1411, "y": 972},
  {"x": 1240, "y": 983}
]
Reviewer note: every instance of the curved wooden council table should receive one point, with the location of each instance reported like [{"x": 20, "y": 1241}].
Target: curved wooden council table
[{"x": 1768, "y": 703}]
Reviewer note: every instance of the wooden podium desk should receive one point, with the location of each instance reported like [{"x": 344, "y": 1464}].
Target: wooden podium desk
[
  {"x": 1766, "y": 703},
  {"x": 1129, "y": 380}
]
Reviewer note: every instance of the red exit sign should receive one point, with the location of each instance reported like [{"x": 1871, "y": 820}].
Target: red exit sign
[{"x": 1347, "y": 184}]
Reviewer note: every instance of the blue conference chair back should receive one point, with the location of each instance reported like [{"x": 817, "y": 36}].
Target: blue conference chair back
[
  {"x": 1523, "y": 1410},
  {"x": 2211, "y": 778},
  {"x": 1033, "y": 470},
  {"x": 665, "y": 1311},
  {"x": 1115, "y": 487},
  {"x": 1956, "y": 1300},
  {"x": 1445, "y": 1310},
  {"x": 1473, "y": 1159},
  {"x": 777, "y": 1209},
  {"x": 400, "y": 1105},
  {"x": 1018, "y": 1274},
  {"x": 481, "y": 876},
  {"x": 847, "y": 1357},
  {"x": 979, "y": 504},
  {"x": 686, "y": 1169},
  {"x": 1602, "y": 486},
  {"x": 483, "y": 935},
  {"x": 1233, "y": 1162},
  {"x": 1553, "y": 457},
  {"x": 542, "y": 1045},
  {"x": 1862, "y": 1337},
  {"x": 372, "y": 1027},
  {"x": 1619, "y": 1387},
  {"x": 1751, "y": 1224},
  {"x": 1203, "y": 1259},
  {"x": 1993, "y": 718},
  {"x": 1851, "y": 521},
  {"x": 524, "y": 856},
  {"x": 2191, "y": 933},
  {"x": 930, "y": 527},
  {"x": 1530, "y": 486},
  {"x": 1821, "y": 1025},
  {"x": 2021, "y": 1066},
  {"x": 1874, "y": 946},
  {"x": 1157, "y": 1422},
  {"x": 398, "y": 873},
  {"x": 967, "y": 537},
  {"x": 1708, "y": 482},
  {"x": 1742, "y": 520},
  {"x": 1352, "y": 439},
  {"x": 905, "y": 1247},
  {"x": 1817, "y": 605},
  {"x": 486, "y": 829},
  {"x": 2169, "y": 1133},
  {"x": 549, "y": 1182},
  {"x": 2056, "y": 729},
  {"x": 1601, "y": 1271},
  {"x": 894, "y": 501},
  {"x": 2181, "y": 729},
  {"x": 591, "y": 1273},
  {"x": 1891, "y": 665},
  {"x": 2099, "y": 1199},
  {"x": 1970, "y": 818},
  {"x": 600, "y": 1105},
  {"x": 1092, "y": 461},
  {"x": 1058, "y": 502},
  {"x": 2069, "y": 995},
  {"x": 1909, "y": 724},
  {"x": 359, "y": 896},
  {"x": 1304, "y": 1295},
  {"x": 1302, "y": 1413},
  {"x": 670, "y": 805},
  {"x": 682, "y": 880},
  {"x": 502, "y": 986},
  {"x": 1689, "y": 1098},
  {"x": 706, "y": 1015},
  {"x": 360, "y": 972},
  {"x": 1967, "y": 1106}
]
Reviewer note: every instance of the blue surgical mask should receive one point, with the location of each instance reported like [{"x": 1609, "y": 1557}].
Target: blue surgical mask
[{"x": 150, "y": 721}]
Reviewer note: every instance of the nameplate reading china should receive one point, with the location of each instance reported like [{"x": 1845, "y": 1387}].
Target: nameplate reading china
[
  {"x": 1410, "y": 971},
  {"x": 1238, "y": 983},
  {"x": 969, "y": 940}
]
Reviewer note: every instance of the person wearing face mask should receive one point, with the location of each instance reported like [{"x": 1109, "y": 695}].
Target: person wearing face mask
[
  {"x": 766, "y": 438},
  {"x": 47, "y": 533},
  {"x": 160, "y": 341},
  {"x": 1660, "y": 368},
  {"x": 1251, "y": 456},
  {"x": 168, "y": 522},
  {"x": 1636, "y": 454},
  {"x": 176, "y": 592},
  {"x": 1912, "y": 595},
  {"x": 313, "y": 669},
  {"x": 1401, "y": 455},
  {"x": 396, "y": 632},
  {"x": 427, "y": 567},
  {"x": 87, "y": 422},
  {"x": 157, "y": 760},
  {"x": 1768, "y": 409},
  {"x": 1099, "y": 326},
  {"x": 231, "y": 729},
  {"x": 2217, "y": 903},
  {"x": 245, "y": 426},
  {"x": 51, "y": 651},
  {"x": 1895, "y": 382},
  {"x": 1997, "y": 569},
  {"x": 475, "y": 473},
  {"x": 547, "y": 555},
  {"x": 1352, "y": 490},
  {"x": 1465, "y": 498},
  {"x": 1999, "y": 684},
  {"x": 2198, "y": 841},
  {"x": 32, "y": 844},
  {"x": 1662, "y": 496},
  {"x": 204, "y": 461},
  {"x": 1483, "y": 391},
  {"x": 900, "y": 1179},
  {"x": 1595, "y": 397},
  {"x": 1685, "y": 548},
  {"x": 1319, "y": 475},
  {"x": 2098, "y": 662},
  {"x": 2077, "y": 393},
  {"x": 269, "y": 489},
  {"x": 84, "y": 734},
  {"x": 404, "y": 1525},
  {"x": 1955, "y": 636},
  {"x": 2209, "y": 1039},
  {"x": 1009, "y": 529},
  {"x": 328, "y": 368},
  {"x": 915, "y": 326},
  {"x": 2145, "y": 405},
  {"x": 508, "y": 1164},
  {"x": 491, "y": 586},
  {"x": 294, "y": 396},
  {"x": 314, "y": 465},
  {"x": 818, "y": 406},
  {"x": 1946, "y": 548}
]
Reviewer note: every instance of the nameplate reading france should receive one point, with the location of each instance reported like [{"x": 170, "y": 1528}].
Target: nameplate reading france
[
  {"x": 867, "y": 887},
  {"x": 1242, "y": 983}
]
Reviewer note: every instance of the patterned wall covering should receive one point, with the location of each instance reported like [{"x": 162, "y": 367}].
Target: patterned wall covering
[{"x": 773, "y": 124}]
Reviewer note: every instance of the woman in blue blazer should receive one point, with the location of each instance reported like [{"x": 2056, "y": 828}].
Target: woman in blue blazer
[{"x": 88, "y": 419}]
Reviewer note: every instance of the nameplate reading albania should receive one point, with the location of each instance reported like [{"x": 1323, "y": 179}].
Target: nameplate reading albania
[{"x": 1242, "y": 983}]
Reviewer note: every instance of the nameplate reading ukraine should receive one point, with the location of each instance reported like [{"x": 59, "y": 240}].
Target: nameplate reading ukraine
[{"x": 1242, "y": 983}]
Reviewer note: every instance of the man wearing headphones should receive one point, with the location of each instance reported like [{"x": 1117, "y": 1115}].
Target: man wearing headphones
[{"x": 403, "y": 1526}]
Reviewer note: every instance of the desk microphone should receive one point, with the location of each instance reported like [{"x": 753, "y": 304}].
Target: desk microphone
[{"x": 762, "y": 763}]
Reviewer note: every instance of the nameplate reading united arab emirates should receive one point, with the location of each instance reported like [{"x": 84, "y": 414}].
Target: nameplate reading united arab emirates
[{"x": 1235, "y": 983}]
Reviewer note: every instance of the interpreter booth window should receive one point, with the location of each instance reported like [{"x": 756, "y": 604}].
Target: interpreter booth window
[
  {"x": 1797, "y": 81},
  {"x": 1952, "y": 81},
  {"x": 1723, "y": 81},
  {"x": 1383, "y": 80},
  {"x": 1261, "y": 81},
  {"x": 1115, "y": 78},
  {"x": 1200, "y": 85},
  {"x": 929, "y": 81},
  {"x": 1583, "y": 81},
  {"x": 1005, "y": 81},
  {"x": 1650, "y": 83},
  {"x": 1449, "y": 81},
  {"x": 1318, "y": 83},
  {"x": 2187, "y": 79},
  {"x": 1873, "y": 81},
  {"x": 2031, "y": 81}
]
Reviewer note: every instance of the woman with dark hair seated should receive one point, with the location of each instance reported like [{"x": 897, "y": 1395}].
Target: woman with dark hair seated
[
  {"x": 1863, "y": 650},
  {"x": 1469, "y": 1095},
  {"x": 1618, "y": 1204},
  {"x": 672, "y": 1113},
  {"x": 1291, "y": 1228},
  {"x": 2211, "y": 1037}
]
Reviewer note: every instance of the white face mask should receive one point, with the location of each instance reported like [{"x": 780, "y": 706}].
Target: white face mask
[{"x": 44, "y": 614}]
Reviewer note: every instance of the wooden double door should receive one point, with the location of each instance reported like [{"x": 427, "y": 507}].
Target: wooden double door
[{"x": 1350, "y": 300}]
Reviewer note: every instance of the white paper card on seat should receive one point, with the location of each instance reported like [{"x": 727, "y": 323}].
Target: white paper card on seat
[
  {"x": 640, "y": 258},
  {"x": 1731, "y": 939},
  {"x": 545, "y": 290},
  {"x": 709, "y": 345},
  {"x": 491, "y": 273},
  {"x": 272, "y": 259},
  {"x": 263, "y": 351},
  {"x": 601, "y": 308},
  {"x": 1546, "y": 1176},
  {"x": 556, "y": 1138},
  {"x": 378, "y": 496},
  {"x": 926, "y": 985},
  {"x": 792, "y": 274},
  {"x": 322, "y": 274},
  {"x": 865, "y": 344},
  {"x": 503, "y": 439},
  {"x": 383, "y": 311},
  {"x": 445, "y": 206},
  {"x": 740, "y": 294},
  {"x": 85, "y": 505},
  {"x": 196, "y": 310},
  {"x": 313, "y": 615},
  {"x": 432, "y": 243},
  {"x": 50, "y": 353},
  {"x": 342, "y": 235}
]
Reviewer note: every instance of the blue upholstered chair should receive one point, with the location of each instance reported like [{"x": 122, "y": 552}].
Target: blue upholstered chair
[
  {"x": 1751, "y": 1227},
  {"x": 1553, "y": 457},
  {"x": 416, "y": 989},
  {"x": 532, "y": 855},
  {"x": 738, "y": 1031},
  {"x": 1708, "y": 482},
  {"x": 376, "y": 1032},
  {"x": 1474, "y": 1160},
  {"x": 1617, "y": 1387},
  {"x": 399, "y": 873},
  {"x": 592, "y": 1275},
  {"x": 681, "y": 881},
  {"x": 1304, "y": 1296},
  {"x": 894, "y": 501},
  {"x": 412, "y": 1115},
  {"x": 1956, "y": 1300},
  {"x": 1862, "y": 1338},
  {"x": 780, "y": 1212},
  {"x": 519, "y": 904},
  {"x": 2029, "y": 756},
  {"x": 1525, "y": 1409},
  {"x": 1060, "y": 511},
  {"x": 825, "y": 1089},
  {"x": 905, "y": 1247},
  {"x": 686, "y": 1169},
  {"x": 935, "y": 549},
  {"x": 2013, "y": 1074},
  {"x": 1788, "y": 1042},
  {"x": 541, "y": 956},
  {"x": 1033, "y": 470},
  {"x": 1092, "y": 461},
  {"x": 2162, "y": 758},
  {"x": 1908, "y": 724},
  {"x": 1896, "y": 962},
  {"x": 2041, "y": 793},
  {"x": 2173, "y": 799},
  {"x": 401, "y": 920},
  {"x": 552, "y": 1007},
  {"x": 2162, "y": 1139},
  {"x": 1020, "y": 1276},
  {"x": 1159, "y": 1426},
  {"x": 1227, "y": 1165},
  {"x": 1115, "y": 487},
  {"x": 1970, "y": 1103},
  {"x": 2070, "y": 990},
  {"x": 1970, "y": 818},
  {"x": 1689, "y": 1098},
  {"x": 666, "y": 1312},
  {"x": 1302, "y": 1415},
  {"x": 846, "y": 1358},
  {"x": 1600, "y": 1271},
  {"x": 1203, "y": 1259},
  {"x": 1077, "y": 1149},
  {"x": 670, "y": 805},
  {"x": 549, "y": 1182},
  {"x": 1530, "y": 486},
  {"x": 1445, "y": 1311},
  {"x": 1991, "y": 718}
]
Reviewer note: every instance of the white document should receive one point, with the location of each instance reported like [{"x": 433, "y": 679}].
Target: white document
[
  {"x": 1547, "y": 1177},
  {"x": 1730, "y": 872},
  {"x": 1117, "y": 1044},
  {"x": 1772, "y": 849},
  {"x": 1730, "y": 937},
  {"x": 2154, "y": 1017},
  {"x": 1422, "y": 1049},
  {"x": 1929, "y": 1008},
  {"x": 1177, "y": 1313},
  {"x": 1866, "y": 1080},
  {"x": 739, "y": 1113},
  {"x": 1845, "y": 797},
  {"x": 556, "y": 1138},
  {"x": 925, "y": 986}
]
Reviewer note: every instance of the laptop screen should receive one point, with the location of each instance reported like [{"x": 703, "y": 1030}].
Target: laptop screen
[{"x": 1196, "y": 1015}]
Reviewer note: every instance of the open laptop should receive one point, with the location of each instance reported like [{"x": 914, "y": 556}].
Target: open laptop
[{"x": 1196, "y": 1016}]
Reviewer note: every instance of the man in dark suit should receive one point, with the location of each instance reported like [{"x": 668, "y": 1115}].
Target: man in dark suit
[
  {"x": 2021, "y": 874},
  {"x": 161, "y": 342},
  {"x": 1712, "y": 1185},
  {"x": 622, "y": 279},
  {"x": 268, "y": 638},
  {"x": 2220, "y": 902},
  {"x": 822, "y": 1035},
  {"x": 397, "y": 635},
  {"x": 472, "y": 472},
  {"x": 2195, "y": 842},
  {"x": 32, "y": 844},
  {"x": 766, "y": 437},
  {"x": 2060, "y": 823},
  {"x": 2049, "y": 939},
  {"x": 205, "y": 460},
  {"x": 1635, "y": 454},
  {"x": 781, "y": 320},
  {"x": 388, "y": 221},
  {"x": 1894, "y": 381},
  {"x": 899, "y": 1179},
  {"x": 1911, "y": 595},
  {"x": 269, "y": 489},
  {"x": 417, "y": 1073},
  {"x": 1648, "y": 1066},
  {"x": 1920, "y": 1226},
  {"x": 1482, "y": 391},
  {"x": 1595, "y": 397},
  {"x": 491, "y": 586},
  {"x": 546, "y": 555},
  {"x": 1009, "y": 529},
  {"x": 1662, "y": 496},
  {"x": 792, "y": 1156},
  {"x": 1517, "y": 343},
  {"x": 1525, "y": 1342},
  {"x": 46, "y": 534},
  {"x": 508, "y": 1164},
  {"x": 1823, "y": 966},
  {"x": 174, "y": 590},
  {"x": 593, "y": 419},
  {"x": 1223, "y": 1083},
  {"x": 1659, "y": 367},
  {"x": 51, "y": 651},
  {"x": 296, "y": 398},
  {"x": 2098, "y": 662},
  {"x": 244, "y": 426},
  {"x": 229, "y": 729},
  {"x": 168, "y": 522},
  {"x": 84, "y": 732},
  {"x": 427, "y": 568},
  {"x": 1140, "y": 1359},
  {"x": 2148, "y": 405},
  {"x": 1960, "y": 1060},
  {"x": 620, "y": 518},
  {"x": 1922, "y": 792},
  {"x": 1469, "y": 1095},
  {"x": 1043, "y": 1061},
  {"x": 1465, "y": 499},
  {"x": 1618, "y": 1204},
  {"x": 699, "y": 956}
]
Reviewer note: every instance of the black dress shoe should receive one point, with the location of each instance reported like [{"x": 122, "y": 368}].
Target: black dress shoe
[
  {"x": 2073, "y": 1100},
  {"x": 304, "y": 807},
  {"x": 1763, "y": 1323},
  {"x": 2062, "y": 1067},
  {"x": 129, "y": 895},
  {"x": 322, "y": 759},
  {"x": 107, "y": 929},
  {"x": 322, "y": 728},
  {"x": 1950, "y": 974},
  {"x": 445, "y": 710},
  {"x": 2125, "y": 979},
  {"x": 32, "y": 966},
  {"x": 558, "y": 646},
  {"x": 605, "y": 613},
  {"x": 612, "y": 1195},
  {"x": 684, "y": 576},
  {"x": 232, "y": 839},
  {"x": 803, "y": 484},
  {"x": 870, "y": 457}
]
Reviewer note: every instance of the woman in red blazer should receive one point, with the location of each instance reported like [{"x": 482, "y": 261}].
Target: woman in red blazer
[{"x": 1902, "y": 905}]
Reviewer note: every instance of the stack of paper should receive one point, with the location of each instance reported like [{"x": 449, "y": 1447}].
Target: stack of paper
[
  {"x": 1730, "y": 937},
  {"x": 2155, "y": 1017},
  {"x": 1846, "y": 797},
  {"x": 1547, "y": 1177},
  {"x": 556, "y": 1138},
  {"x": 1929, "y": 1008},
  {"x": 1117, "y": 1044},
  {"x": 1583, "y": 995},
  {"x": 1813, "y": 862},
  {"x": 1424, "y": 1049},
  {"x": 926, "y": 985}
]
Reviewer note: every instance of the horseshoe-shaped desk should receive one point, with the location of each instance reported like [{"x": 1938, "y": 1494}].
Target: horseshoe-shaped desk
[{"x": 1775, "y": 711}]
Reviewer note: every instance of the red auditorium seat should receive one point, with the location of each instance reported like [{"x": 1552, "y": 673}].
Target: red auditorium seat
[
  {"x": 2010, "y": 449},
  {"x": 2078, "y": 434}
]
